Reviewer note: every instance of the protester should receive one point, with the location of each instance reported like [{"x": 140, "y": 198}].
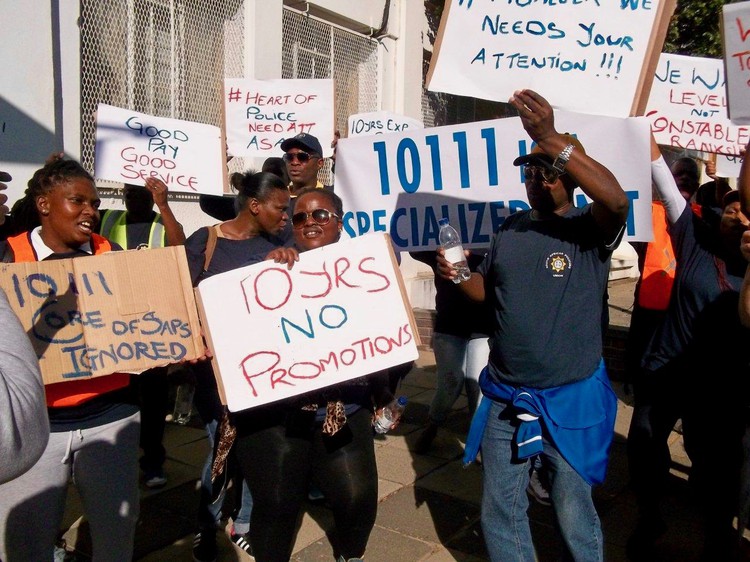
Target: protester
[
  {"x": 261, "y": 204},
  {"x": 695, "y": 346},
  {"x": 460, "y": 342},
  {"x": 743, "y": 516},
  {"x": 24, "y": 426},
  {"x": 325, "y": 436},
  {"x": 94, "y": 422},
  {"x": 303, "y": 155},
  {"x": 139, "y": 227},
  {"x": 545, "y": 388}
]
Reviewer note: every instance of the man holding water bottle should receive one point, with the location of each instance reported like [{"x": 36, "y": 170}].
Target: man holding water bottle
[{"x": 546, "y": 392}]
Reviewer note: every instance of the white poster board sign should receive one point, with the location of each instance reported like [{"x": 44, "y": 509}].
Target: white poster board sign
[
  {"x": 736, "y": 35},
  {"x": 260, "y": 114},
  {"x": 687, "y": 107},
  {"x": 582, "y": 56},
  {"x": 131, "y": 146},
  {"x": 728, "y": 166},
  {"x": 404, "y": 183},
  {"x": 338, "y": 314},
  {"x": 380, "y": 123}
]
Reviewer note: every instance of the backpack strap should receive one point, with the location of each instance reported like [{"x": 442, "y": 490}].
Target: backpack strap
[{"x": 213, "y": 236}]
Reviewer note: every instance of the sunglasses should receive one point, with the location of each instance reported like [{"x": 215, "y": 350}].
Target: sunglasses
[
  {"x": 301, "y": 157},
  {"x": 548, "y": 176},
  {"x": 320, "y": 216}
]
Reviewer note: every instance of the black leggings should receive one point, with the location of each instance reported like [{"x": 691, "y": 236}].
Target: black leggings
[{"x": 278, "y": 469}]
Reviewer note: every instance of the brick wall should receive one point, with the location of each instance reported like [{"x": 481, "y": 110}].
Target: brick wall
[{"x": 614, "y": 342}]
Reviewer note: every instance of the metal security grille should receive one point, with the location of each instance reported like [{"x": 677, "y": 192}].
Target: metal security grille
[
  {"x": 163, "y": 57},
  {"x": 316, "y": 49}
]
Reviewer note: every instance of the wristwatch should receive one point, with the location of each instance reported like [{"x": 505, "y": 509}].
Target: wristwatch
[{"x": 562, "y": 159}]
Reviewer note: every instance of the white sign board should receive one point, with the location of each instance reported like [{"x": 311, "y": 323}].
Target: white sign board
[
  {"x": 338, "y": 314},
  {"x": 728, "y": 166},
  {"x": 404, "y": 183},
  {"x": 687, "y": 107},
  {"x": 380, "y": 123},
  {"x": 584, "y": 56},
  {"x": 736, "y": 34},
  {"x": 131, "y": 146},
  {"x": 260, "y": 114}
]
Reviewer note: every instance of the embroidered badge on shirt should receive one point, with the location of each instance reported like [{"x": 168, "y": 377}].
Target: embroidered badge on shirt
[{"x": 558, "y": 263}]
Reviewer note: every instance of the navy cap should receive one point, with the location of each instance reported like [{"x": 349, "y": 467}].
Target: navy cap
[{"x": 303, "y": 141}]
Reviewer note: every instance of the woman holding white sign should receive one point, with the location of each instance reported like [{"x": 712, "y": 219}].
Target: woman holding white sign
[
  {"x": 261, "y": 204},
  {"x": 94, "y": 422},
  {"x": 325, "y": 436}
]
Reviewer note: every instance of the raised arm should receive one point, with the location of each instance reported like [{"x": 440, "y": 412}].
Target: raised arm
[
  {"x": 666, "y": 187},
  {"x": 610, "y": 208},
  {"x": 174, "y": 233}
]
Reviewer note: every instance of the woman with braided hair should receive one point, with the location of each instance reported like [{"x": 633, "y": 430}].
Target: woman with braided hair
[{"x": 94, "y": 422}]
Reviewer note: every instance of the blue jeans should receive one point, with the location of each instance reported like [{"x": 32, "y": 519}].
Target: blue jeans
[
  {"x": 209, "y": 513},
  {"x": 504, "y": 502},
  {"x": 458, "y": 360}
]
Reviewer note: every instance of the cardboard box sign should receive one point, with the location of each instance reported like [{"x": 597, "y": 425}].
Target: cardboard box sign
[
  {"x": 340, "y": 313},
  {"x": 115, "y": 312}
]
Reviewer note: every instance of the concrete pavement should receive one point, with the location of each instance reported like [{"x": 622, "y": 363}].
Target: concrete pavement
[{"x": 429, "y": 504}]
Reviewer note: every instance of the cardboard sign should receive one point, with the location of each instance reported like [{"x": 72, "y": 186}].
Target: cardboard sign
[
  {"x": 115, "y": 312},
  {"x": 260, "y": 114},
  {"x": 404, "y": 183},
  {"x": 735, "y": 30},
  {"x": 587, "y": 55},
  {"x": 687, "y": 107},
  {"x": 379, "y": 123},
  {"x": 130, "y": 147},
  {"x": 338, "y": 314}
]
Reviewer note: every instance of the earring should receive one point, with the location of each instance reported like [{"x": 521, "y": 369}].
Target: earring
[{"x": 45, "y": 212}]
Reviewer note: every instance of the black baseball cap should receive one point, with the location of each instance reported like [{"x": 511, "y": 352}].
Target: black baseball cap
[{"x": 304, "y": 142}]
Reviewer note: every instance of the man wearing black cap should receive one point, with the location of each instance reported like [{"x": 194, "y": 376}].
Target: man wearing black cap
[
  {"x": 304, "y": 159},
  {"x": 546, "y": 392}
]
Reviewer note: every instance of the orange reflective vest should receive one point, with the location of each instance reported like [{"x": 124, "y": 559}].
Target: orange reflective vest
[
  {"x": 660, "y": 263},
  {"x": 70, "y": 393}
]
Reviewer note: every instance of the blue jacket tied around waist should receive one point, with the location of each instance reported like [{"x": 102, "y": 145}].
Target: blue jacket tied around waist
[{"x": 578, "y": 418}]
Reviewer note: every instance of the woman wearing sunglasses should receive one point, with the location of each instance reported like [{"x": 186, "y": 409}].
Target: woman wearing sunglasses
[{"x": 324, "y": 436}]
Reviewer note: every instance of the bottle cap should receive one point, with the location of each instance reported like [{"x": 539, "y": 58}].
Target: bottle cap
[
  {"x": 402, "y": 400},
  {"x": 442, "y": 222}
]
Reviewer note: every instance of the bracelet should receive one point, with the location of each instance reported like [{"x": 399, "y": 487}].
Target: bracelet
[{"x": 562, "y": 159}]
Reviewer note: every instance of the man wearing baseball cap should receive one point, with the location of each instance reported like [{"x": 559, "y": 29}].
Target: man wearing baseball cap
[
  {"x": 546, "y": 391},
  {"x": 304, "y": 159}
]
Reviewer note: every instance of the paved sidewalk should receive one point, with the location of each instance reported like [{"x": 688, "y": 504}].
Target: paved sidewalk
[{"x": 429, "y": 504}]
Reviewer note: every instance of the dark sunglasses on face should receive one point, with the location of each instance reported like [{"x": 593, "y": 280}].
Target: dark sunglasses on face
[
  {"x": 302, "y": 157},
  {"x": 320, "y": 216},
  {"x": 548, "y": 176}
]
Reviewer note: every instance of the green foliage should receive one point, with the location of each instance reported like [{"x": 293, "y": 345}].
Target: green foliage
[{"x": 695, "y": 29}]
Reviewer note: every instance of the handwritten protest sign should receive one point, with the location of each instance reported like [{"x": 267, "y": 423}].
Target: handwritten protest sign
[
  {"x": 338, "y": 314},
  {"x": 736, "y": 34},
  {"x": 379, "y": 123},
  {"x": 687, "y": 107},
  {"x": 260, "y": 114},
  {"x": 404, "y": 183},
  {"x": 132, "y": 146},
  {"x": 94, "y": 316},
  {"x": 728, "y": 166},
  {"x": 585, "y": 55}
]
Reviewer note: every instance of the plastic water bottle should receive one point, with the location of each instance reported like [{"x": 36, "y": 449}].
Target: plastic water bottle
[
  {"x": 390, "y": 414},
  {"x": 454, "y": 251}
]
